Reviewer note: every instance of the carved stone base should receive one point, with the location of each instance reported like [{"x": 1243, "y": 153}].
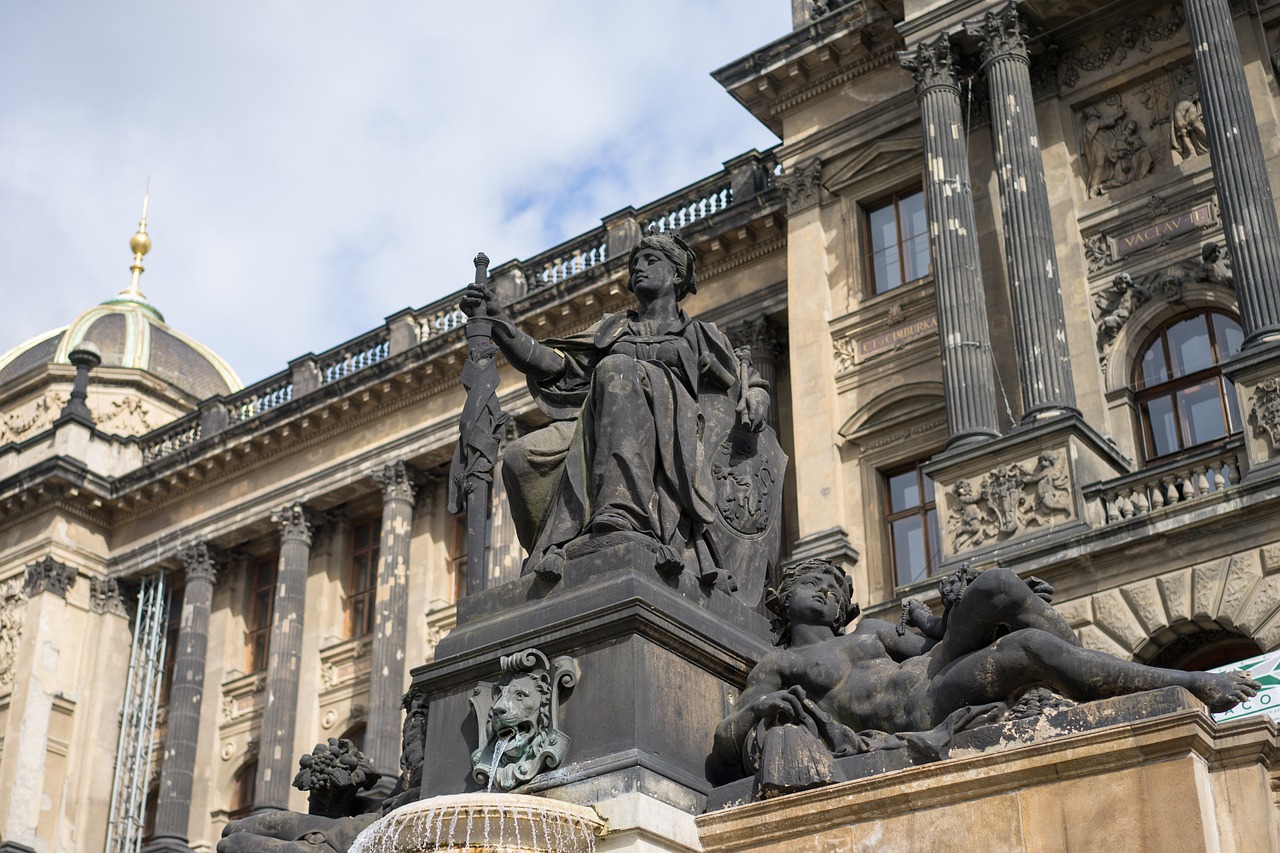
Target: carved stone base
[
  {"x": 1018, "y": 487},
  {"x": 1171, "y": 782},
  {"x": 661, "y": 661}
]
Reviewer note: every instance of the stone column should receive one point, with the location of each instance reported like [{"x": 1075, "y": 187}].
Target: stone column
[
  {"x": 967, "y": 372},
  {"x": 399, "y": 482},
  {"x": 765, "y": 338},
  {"x": 275, "y": 755},
  {"x": 1248, "y": 211},
  {"x": 1031, "y": 261},
  {"x": 173, "y": 806}
]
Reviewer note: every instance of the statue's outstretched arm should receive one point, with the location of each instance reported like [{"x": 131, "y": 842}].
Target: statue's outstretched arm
[{"x": 525, "y": 354}]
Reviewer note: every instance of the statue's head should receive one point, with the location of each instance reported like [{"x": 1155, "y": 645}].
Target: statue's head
[
  {"x": 522, "y": 705},
  {"x": 812, "y": 577},
  {"x": 675, "y": 250}
]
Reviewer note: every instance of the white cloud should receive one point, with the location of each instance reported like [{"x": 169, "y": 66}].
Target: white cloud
[{"x": 317, "y": 166}]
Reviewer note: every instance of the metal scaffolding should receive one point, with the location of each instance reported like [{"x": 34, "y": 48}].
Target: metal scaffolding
[{"x": 138, "y": 719}]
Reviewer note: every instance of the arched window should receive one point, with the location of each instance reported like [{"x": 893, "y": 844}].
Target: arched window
[{"x": 1182, "y": 397}]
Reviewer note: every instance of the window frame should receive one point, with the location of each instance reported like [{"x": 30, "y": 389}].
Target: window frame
[
  {"x": 357, "y": 596},
  {"x": 892, "y": 199},
  {"x": 258, "y": 621},
  {"x": 922, "y": 510},
  {"x": 1144, "y": 393}
]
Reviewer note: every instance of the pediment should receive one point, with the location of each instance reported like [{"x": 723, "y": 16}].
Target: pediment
[
  {"x": 882, "y": 155},
  {"x": 902, "y": 405}
]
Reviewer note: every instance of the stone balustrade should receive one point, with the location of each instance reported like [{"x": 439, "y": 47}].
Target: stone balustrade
[{"x": 1157, "y": 487}]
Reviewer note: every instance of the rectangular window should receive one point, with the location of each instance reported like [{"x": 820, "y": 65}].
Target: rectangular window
[
  {"x": 262, "y": 598},
  {"x": 362, "y": 576},
  {"x": 912, "y": 521},
  {"x": 897, "y": 241}
]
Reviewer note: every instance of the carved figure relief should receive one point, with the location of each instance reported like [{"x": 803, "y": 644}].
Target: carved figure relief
[
  {"x": 1010, "y": 499},
  {"x": 13, "y": 609},
  {"x": 1114, "y": 152},
  {"x": 1265, "y": 412},
  {"x": 31, "y": 418},
  {"x": 519, "y": 719},
  {"x": 1115, "y": 303},
  {"x": 1115, "y": 147}
]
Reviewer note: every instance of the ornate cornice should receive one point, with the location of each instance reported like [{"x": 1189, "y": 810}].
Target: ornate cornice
[
  {"x": 399, "y": 481},
  {"x": 296, "y": 522},
  {"x": 201, "y": 561},
  {"x": 49, "y": 575}
]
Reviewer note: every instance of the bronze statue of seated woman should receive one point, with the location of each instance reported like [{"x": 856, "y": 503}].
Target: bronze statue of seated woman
[
  {"x": 848, "y": 692},
  {"x": 658, "y": 435}
]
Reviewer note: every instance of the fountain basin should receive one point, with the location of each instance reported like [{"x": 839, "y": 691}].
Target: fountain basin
[{"x": 492, "y": 823}]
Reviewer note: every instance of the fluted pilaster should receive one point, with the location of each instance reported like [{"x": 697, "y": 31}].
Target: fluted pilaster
[
  {"x": 1248, "y": 211},
  {"x": 1031, "y": 261},
  {"x": 276, "y": 759},
  {"x": 399, "y": 484},
  {"x": 186, "y": 693},
  {"x": 965, "y": 338}
]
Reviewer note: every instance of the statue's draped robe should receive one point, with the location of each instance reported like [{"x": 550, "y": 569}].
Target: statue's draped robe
[{"x": 627, "y": 442}]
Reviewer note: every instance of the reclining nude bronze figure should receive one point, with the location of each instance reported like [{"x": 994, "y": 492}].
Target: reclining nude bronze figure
[
  {"x": 658, "y": 435},
  {"x": 824, "y": 693}
]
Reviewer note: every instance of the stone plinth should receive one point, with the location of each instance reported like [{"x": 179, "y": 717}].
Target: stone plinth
[
  {"x": 1173, "y": 782},
  {"x": 661, "y": 664}
]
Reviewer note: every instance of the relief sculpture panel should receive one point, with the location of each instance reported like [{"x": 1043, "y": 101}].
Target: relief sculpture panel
[{"x": 1009, "y": 500}]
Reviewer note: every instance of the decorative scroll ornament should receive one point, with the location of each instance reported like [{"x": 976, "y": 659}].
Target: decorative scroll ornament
[
  {"x": 129, "y": 416},
  {"x": 802, "y": 185},
  {"x": 1009, "y": 500},
  {"x": 48, "y": 575},
  {"x": 13, "y": 609},
  {"x": 520, "y": 735},
  {"x": 32, "y": 418},
  {"x": 1116, "y": 43},
  {"x": 931, "y": 64},
  {"x": 1265, "y": 413}
]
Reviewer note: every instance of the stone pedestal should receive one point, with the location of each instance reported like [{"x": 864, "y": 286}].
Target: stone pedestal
[
  {"x": 662, "y": 662},
  {"x": 1020, "y": 486},
  {"x": 1172, "y": 782}
]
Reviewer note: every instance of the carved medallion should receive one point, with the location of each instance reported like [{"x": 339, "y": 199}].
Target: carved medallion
[{"x": 745, "y": 484}]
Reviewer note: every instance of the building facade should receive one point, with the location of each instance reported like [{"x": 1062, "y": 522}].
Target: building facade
[{"x": 1013, "y": 274}]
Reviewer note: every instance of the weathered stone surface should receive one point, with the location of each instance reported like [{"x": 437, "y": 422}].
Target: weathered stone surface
[
  {"x": 1262, "y": 605},
  {"x": 1207, "y": 581},
  {"x": 1112, "y": 614},
  {"x": 1175, "y": 589},
  {"x": 1144, "y": 599},
  {"x": 1243, "y": 573}
]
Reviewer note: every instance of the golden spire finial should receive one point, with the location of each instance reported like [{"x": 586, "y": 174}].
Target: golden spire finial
[{"x": 140, "y": 243}]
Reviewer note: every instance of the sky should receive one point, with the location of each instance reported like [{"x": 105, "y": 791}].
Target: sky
[{"x": 317, "y": 166}]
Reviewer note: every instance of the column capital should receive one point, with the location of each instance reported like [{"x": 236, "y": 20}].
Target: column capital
[
  {"x": 296, "y": 522},
  {"x": 762, "y": 334},
  {"x": 105, "y": 597},
  {"x": 201, "y": 561},
  {"x": 399, "y": 481},
  {"x": 48, "y": 575},
  {"x": 1002, "y": 33},
  {"x": 932, "y": 64},
  {"x": 802, "y": 185}
]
